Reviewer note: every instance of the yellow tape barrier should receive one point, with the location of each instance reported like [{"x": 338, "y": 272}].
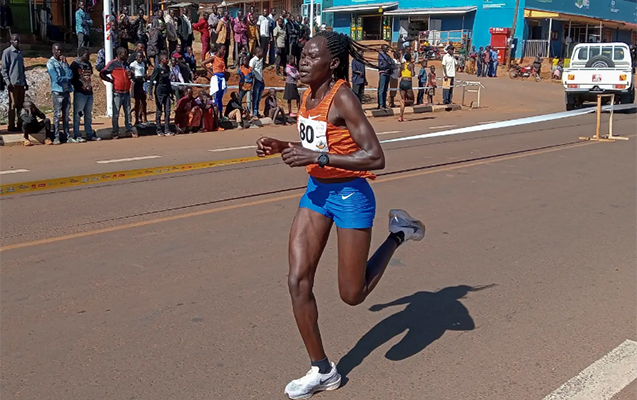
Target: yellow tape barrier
[{"x": 59, "y": 183}]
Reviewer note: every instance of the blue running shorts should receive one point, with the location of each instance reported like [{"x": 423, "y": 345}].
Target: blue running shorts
[{"x": 351, "y": 205}]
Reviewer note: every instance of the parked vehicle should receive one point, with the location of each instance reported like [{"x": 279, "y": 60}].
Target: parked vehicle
[
  {"x": 517, "y": 71},
  {"x": 599, "y": 68}
]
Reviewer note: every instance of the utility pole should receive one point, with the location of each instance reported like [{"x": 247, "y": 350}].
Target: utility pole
[
  {"x": 507, "y": 56},
  {"x": 108, "y": 54}
]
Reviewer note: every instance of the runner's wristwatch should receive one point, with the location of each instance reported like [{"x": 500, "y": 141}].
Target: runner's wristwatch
[{"x": 323, "y": 160}]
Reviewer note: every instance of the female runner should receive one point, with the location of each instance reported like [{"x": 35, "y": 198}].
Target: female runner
[{"x": 338, "y": 147}]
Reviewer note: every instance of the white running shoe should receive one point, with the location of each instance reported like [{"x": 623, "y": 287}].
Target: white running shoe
[
  {"x": 400, "y": 221},
  {"x": 313, "y": 382}
]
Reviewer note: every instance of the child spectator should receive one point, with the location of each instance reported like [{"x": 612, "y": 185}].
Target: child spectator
[
  {"x": 291, "y": 89},
  {"x": 431, "y": 85},
  {"x": 209, "y": 111},
  {"x": 257, "y": 68},
  {"x": 140, "y": 88},
  {"x": 235, "y": 110},
  {"x": 175, "y": 75},
  {"x": 246, "y": 79},
  {"x": 272, "y": 108},
  {"x": 30, "y": 124},
  {"x": 422, "y": 81},
  {"x": 187, "y": 113}
]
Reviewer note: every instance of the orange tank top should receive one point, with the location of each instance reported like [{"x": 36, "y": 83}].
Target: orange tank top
[{"x": 318, "y": 134}]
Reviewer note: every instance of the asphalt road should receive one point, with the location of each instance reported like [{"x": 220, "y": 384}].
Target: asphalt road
[{"x": 175, "y": 287}]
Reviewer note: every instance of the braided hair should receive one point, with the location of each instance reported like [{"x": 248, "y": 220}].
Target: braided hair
[{"x": 343, "y": 47}]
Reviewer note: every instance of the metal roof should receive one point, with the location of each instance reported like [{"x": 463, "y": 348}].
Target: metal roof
[
  {"x": 432, "y": 11},
  {"x": 361, "y": 7}
]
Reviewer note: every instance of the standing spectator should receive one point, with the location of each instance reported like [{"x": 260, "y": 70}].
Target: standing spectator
[
  {"x": 171, "y": 30},
  {"x": 213, "y": 22},
  {"x": 251, "y": 13},
  {"x": 184, "y": 29},
  {"x": 61, "y": 75},
  {"x": 272, "y": 52},
  {"x": 257, "y": 68},
  {"x": 30, "y": 124},
  {"x": 291, "y": 88},
  {"x": 163, "y": 94},
  {"x": 432, "y": 83},
  {"x": 155, "y": 44},
  {"x": 240, "y": 29},
  {"x": 203, "y": 28},
  {"x": 479, "y": 63},
  {"x": 449, "y": 64},
  {"x": 265, "y": 34},
  {"x": 83, "y": 96},
  {"x": 393, "y": 79},
  {"x": 139, "y": 49},
  {"x": 124, "y": 26},
  {"x": 15, "y": 79},
  {"x": 176, "y": 75},
  {"x": 252, "y": 34},
  {"x": 45, "y": 17},
  {"x": 187, "y": 113},
  {"x": 218, "y": 80},
  {"x": 140, "y": 76},
  {"x": 292, "y": 30},
  {"x": 139, "y": 27},
  {"x": 190, "y": 60},
  {"x": 83, "y": 23},
  {"x": 486, "y": 61},
  {"x": 359, "y": 80},
  {"x": 120, "y": 77},
  {"x": 494, "y": 63},
  {"x": 473, "y": 57},
  {"x": 279, "y": 36},
  {"x": 422, "y": 81},
  {"x": 384, "y": 74},
  {"x": 223, "y": 35},
  {"x": 246, "y": 82}
]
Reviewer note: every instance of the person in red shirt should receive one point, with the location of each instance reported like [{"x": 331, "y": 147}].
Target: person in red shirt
[
  {"x": 203, "y": 28},
  {"x": 119, "y": 74},
  {"x": 188, "y": 114}
]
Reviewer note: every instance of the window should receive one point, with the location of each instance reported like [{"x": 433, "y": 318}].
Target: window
[
  {"x": 595, "y": 51},
  {"x": 582, "y": 54},
  {"x": 607, "y": 51},
  {"x": 618, "y": 53}
]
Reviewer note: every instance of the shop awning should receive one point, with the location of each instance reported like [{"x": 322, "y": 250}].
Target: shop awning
[
  {"x": 432, "y": 11},
  {"x": 361, "y": 7},
  {"x": 537, "y": 14}
]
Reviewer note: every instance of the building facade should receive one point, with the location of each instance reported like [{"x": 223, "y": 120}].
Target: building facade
[{"x": 543, "y": 27}]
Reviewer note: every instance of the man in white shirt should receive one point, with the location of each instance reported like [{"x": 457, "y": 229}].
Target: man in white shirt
[
  {"x": 257, "y": 88},
  {"x": 265, "y": 32},
  {"x": 449, "y": 63}
]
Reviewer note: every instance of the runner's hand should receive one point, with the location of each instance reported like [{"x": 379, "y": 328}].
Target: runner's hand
[
  {"x": 298, "y": 156},
  {"x": 267, "y": 146}
]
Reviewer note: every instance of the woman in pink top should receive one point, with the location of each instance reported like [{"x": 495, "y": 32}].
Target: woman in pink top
[
  {"x": 291, "y": 89},
  {"x": 239, "y": 28}
]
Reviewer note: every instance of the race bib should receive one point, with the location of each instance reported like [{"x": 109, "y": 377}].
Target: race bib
[{"x": 313, "y": 134}]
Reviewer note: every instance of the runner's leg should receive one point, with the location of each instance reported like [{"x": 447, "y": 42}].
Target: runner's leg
[{"x": 308, "y": 236}]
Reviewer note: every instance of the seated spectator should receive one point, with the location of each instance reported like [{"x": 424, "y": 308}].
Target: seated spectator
[
  {"x": 210, "y": 113},
  {"x": 272, "y": 109},
  {"x": 178, "y": 50},
  {"x": 187, "y": 113},
  {"x": 234, "y": 110},
  {"x": 30, "y": 124}
]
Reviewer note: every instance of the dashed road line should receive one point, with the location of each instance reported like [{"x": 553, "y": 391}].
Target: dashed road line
[
  {"x": 127, "y": 159},
  {"x": 604, "y": 378},
  {"x": 442, "y": 126},
  {"x": 233, "y": 148},
  {"x": 13, "y": 171},
  {"x": 388, "y": 133}
]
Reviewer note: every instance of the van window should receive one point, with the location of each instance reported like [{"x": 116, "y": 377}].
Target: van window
[
  {"x": 607, "y": 51},
  {"x": 595, "y": 51},
  {"x": 582, "y": 54},
  {"x": 618, "y": 54}
]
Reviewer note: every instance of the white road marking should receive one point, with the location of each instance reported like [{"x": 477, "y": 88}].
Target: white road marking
[
  {"x": 13, "y": 171},
  {"x": 487, "y": 122},
  {"x": 497, "y": 125},
  {"x": 387, "y": 133},
  {"x": 127, "y": 159},
  {"x": 604, "y": 378},
  {"x": 233, "y": 148},
  {"x": 442, "y": 126}
]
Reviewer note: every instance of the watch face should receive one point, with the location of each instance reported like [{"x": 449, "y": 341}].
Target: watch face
[{"x": 323, "y": 160}]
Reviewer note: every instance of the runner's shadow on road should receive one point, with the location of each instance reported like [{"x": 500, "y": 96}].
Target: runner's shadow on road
[{"x": 427, "y": 316}]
